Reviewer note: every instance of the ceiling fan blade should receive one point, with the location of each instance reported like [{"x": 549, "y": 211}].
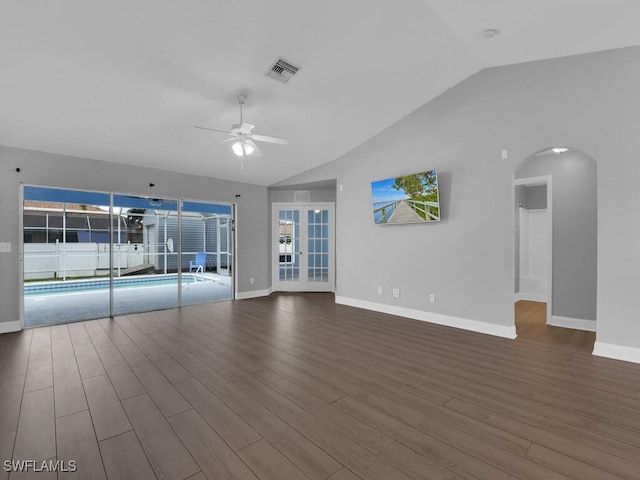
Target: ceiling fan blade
[
  {"x": 256, "y": 151},
  {"x": 265, "y": 138},
  {"x": 214, "y": 130},
  {"x": 220, "y": 143}
]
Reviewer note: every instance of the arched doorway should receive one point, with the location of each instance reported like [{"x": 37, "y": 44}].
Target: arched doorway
[{"x": 555, "y": 237}]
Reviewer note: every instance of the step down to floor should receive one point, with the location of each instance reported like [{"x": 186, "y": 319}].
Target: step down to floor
[{"x": 146, "y": 268}]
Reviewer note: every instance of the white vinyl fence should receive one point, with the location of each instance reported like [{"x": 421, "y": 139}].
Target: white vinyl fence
[{"x": 60, "y": 260}]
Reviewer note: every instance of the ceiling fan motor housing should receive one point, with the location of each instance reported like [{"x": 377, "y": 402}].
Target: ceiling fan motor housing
[{"x": 242, "y": 128}]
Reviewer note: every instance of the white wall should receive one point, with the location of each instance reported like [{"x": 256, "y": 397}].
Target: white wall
[
  {"x": 520, "y": 194},
  {"x": 534, "y": 255},
  {"x": 589, "y": 102},
  {"x": 527, "y": 197},
  {"x": 39, "y": 168}
]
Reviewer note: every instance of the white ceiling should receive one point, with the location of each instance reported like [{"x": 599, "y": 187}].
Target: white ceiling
[{"x": 125, "y": 81}]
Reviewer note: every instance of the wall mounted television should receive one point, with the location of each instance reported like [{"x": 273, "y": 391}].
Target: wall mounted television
[{"x": 407, "y": 199}]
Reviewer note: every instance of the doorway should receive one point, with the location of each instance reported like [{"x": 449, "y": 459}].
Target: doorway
[
  {"x": 534, "y": 241},
  {"x": 303, "y": 243},
  {"x": 570, "y": 179},
  {"x": 531, "y": 325},
  {"x": 90, "y": 255}
]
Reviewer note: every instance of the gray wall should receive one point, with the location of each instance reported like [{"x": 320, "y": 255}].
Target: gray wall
[
  {"x": 588, "y": 102},
  {"x": 40, "y": 168},
  {"x": 323, "y": 195},
  {"x": 575, "y": 229},
  {"x": 535, "y": 197}
]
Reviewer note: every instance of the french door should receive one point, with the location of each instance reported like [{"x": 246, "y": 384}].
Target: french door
[{"x": 303, "y": 247}]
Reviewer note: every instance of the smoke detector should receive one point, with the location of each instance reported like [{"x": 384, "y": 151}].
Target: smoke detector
[{"x": 489, "y": 33}]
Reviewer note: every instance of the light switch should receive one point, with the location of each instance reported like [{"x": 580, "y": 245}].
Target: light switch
[{"x": 5, "y": 247}]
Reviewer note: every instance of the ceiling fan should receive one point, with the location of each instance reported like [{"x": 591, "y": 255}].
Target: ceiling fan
[{"x": 242, "y": 137}]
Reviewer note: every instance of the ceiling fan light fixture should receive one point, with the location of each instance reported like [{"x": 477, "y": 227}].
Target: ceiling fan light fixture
[
  {"x": 239, "y": 151},
  {"x": 242, "y": 136}
]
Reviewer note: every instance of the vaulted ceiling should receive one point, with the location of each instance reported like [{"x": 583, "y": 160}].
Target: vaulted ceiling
[{"x": 125, "y": 81}]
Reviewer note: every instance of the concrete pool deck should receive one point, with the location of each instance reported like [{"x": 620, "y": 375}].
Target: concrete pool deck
[{"x": 52, "y": 308}]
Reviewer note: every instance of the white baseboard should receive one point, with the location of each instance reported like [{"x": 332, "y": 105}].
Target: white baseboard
[
  {"x": 449, "y": 321},
  {"x": 575, "y": 323},
  {"x": 532, "y": 297},
  {"x": 6, "y": 327},
  {"x": 617, "y": 352},
  {"x": 253, "y": 294}
]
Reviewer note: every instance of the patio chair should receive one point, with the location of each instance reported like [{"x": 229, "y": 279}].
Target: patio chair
[{"x": 199, "y": 264}]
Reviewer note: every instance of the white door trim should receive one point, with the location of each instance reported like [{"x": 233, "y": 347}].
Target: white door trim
[
  {"x": 530, "y": 182},
  {"x": 21, "y": 256},
  {"x": 275, "y": 206}
]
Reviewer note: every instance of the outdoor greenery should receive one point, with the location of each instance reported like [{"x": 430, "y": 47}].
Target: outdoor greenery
[{"x": 421, "y": 187}]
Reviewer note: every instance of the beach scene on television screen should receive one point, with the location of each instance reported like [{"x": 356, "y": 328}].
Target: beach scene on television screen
[{"x": 408, "y": 199}]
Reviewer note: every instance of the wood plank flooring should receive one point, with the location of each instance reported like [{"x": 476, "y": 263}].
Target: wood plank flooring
[
  {"x": 293, "y": 386},
  {"x": 531, "y": 324}
]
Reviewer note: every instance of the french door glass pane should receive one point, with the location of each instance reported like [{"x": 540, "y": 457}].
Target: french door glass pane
[
  {"x": 145, "y": 259},
  {"x": 207, "y": 245},
  {"x": 318, "y": 245},
  {"x": 66, "y": 255},
  {"x": 289, "y": 245}
]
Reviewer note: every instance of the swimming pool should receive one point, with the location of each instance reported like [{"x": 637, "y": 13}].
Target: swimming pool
[{"x": 71, "y": 286}]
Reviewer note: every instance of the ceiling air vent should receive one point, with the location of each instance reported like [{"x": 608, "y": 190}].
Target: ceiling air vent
[{"x": 282, "y": 71}]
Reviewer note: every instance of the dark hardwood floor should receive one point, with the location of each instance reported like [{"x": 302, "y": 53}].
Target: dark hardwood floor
[
  {"x": 293, "y": 386},
  {"x": 531, "y": 324}
]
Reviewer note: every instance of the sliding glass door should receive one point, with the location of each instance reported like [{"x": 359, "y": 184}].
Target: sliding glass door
[
  {"x": 207, "y": 252},
  {"x": 92, "y": 255},
  {"x": 66, "y": 252},
  {"x": 145, "y": 260}
]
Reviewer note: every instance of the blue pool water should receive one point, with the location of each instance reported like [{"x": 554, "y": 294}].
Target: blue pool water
[
  {"x": 377, "y": 215},
  {"x": 71, "y": 286}
]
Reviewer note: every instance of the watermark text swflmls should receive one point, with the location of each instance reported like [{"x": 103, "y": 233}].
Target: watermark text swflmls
[{"x": 40, "y": 466}]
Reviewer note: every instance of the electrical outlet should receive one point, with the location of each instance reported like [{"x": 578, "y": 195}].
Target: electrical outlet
[
  {"x": 379, "y": 290},
  {"x": 396, "y": 293},
  {"x": 432, "y": 298},
  {"x": 5, "y": 247},
  {"x": 251, "y": 280},
  {"x": 504, "y": 154}
]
